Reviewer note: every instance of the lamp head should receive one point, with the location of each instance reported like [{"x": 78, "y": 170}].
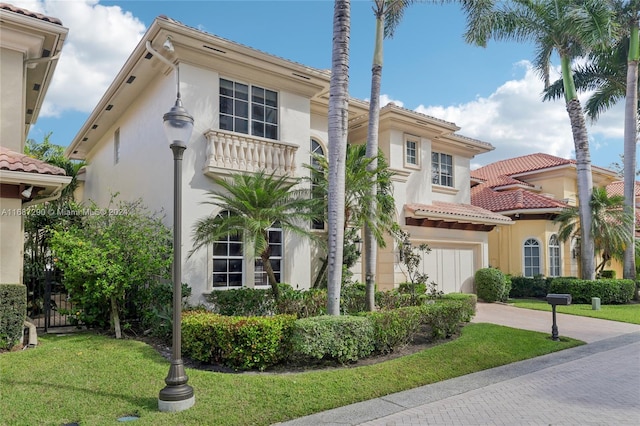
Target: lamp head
[
  {"x": 178, "y": 124},
  {"x": 168, "y": 46},
  {"x": 27, "y": 192}
]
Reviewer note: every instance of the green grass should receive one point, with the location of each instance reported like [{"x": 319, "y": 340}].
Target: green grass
[
  {"x": 93, "y": 380},
  {"x": 623, "y": 313}
]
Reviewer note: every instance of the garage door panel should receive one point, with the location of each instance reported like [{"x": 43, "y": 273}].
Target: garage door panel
[{"x": 452, "y": 268}]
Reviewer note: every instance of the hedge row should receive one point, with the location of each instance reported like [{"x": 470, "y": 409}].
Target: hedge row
[
  {"x": 261, "y": 342},
  {"x": 13, "y": 311},
  {"x": 610, "y": 291}
]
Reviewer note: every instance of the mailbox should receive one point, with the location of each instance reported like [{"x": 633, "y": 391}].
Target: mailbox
[{"x": 559, "y": 299}]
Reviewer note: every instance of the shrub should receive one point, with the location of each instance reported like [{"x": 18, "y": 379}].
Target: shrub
[
  {"x": 608, "y": 290},
  {"x": 302, "y": 303},
  {"x": 13, "y": 312},
  {"x": 445, "y": 317},
  {"x": 537, "y": 286},
  {"x": 242, "y": 302},
  {"x": 394, "y": 328},
  {"x": 607, "y": 273},
  {"x": 387, "y": 300},
  {"x": 238, "y": 342},
  {"x": 491, "y": 285},
  {"x": 352, "y": 298},
  {"x": 467, "y": 304},
  {"x": 336, "y": 338}
]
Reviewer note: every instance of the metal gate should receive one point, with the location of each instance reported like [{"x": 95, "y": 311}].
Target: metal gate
[{"x": 48, "y": 304}]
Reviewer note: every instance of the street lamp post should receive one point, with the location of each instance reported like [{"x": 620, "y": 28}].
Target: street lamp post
[{"x": 177, "y": 395}]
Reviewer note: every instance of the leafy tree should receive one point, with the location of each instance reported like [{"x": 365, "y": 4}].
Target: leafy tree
[
  {"x": 357, "y": 200},
  {"x": 110, "y": 251},
  {"x": 256, "y": 202},
  {"x": 338, "y": 116},
  {"x": 569, "y": 28},
  {"x": 609, "y": 228}
]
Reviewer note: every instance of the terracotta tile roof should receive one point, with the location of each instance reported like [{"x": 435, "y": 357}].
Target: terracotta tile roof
[
  {"x": 468, "y": 211},
  {"x": 519, "y": 199},
  {"x": 25, "y": 12},
  {"x": 16, "y": 162},
  {"x": 617, "y": 188},
  {"x": 517, "y": 165}
]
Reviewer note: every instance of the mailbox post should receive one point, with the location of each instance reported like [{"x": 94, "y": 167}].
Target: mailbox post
[{"x": 554, "y": 300}]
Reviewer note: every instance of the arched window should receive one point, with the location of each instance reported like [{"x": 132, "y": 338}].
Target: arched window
[
  {"x": 554, "y": 256},
  {"x": 228, "y": 260},
  {"x": 531, "y": 258},
  {"x": 316, "y": 149},
  {"x": 276, "y": 253}
]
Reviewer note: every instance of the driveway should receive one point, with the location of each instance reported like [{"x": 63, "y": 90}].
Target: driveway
[{"x": 595, "y": 384}]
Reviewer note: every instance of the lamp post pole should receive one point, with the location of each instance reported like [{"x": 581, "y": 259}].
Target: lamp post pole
[{"x": 177, "y": 395}]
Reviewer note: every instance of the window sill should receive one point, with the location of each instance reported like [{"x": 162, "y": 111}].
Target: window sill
[{"x": 444, "y": 189}]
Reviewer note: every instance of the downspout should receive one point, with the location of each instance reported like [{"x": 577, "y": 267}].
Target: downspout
[
  {"x": 32, "y": 63},
  {"x": 157, "y": 54}
]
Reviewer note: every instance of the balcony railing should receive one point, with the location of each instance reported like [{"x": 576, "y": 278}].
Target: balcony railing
[{"x": 231, "y": 152}]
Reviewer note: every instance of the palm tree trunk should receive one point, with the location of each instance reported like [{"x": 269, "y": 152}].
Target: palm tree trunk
[
  {"x": 338, "y": 128},
  {"x": 115, "y": 317},
  {"x": 585, "y": 187},
  {"x": 266, "y": 264},
  {"x": 370, "y": 243},
  {"x": 630, "y": 140}
]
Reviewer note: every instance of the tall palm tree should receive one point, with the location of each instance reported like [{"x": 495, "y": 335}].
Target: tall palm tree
[
  {"x": 337, "y": 134},
  {"x": 357, "y": 199},
  {"x": 609, "y": 228},
  {"x": 388, "y": 15},
  {"x": 569, "y": 28},
  {"x": 256, "y": 202},
  {"x": 613, "y": 74}
]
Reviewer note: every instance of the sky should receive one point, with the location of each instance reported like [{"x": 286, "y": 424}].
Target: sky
[{"x": 493, "y": 94}]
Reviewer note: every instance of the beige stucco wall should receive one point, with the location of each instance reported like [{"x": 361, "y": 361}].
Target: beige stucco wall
[
  {"x": 11, "y": 241},
  {"x": 12, "y": 100}
]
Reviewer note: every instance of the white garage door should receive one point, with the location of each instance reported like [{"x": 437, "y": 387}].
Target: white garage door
[{"x": 452, "y": 268}]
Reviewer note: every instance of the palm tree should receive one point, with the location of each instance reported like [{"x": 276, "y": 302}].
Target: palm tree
[
  {"x": 388, "y": 14},
  {"x": 337, "y": 134},
  {"x": 570, "y": 28},
  {"x": 609, "y": 228},
  {"x": 613, "y": 75},
  {"x": 256, "y": 202},
  {"x": 357, "y": 201}
]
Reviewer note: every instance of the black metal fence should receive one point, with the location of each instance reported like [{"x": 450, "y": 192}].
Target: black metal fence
[{"x": 48, "y": 303}]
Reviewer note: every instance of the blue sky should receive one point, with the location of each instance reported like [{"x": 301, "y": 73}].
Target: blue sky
[{"x": 491, "y": 93}]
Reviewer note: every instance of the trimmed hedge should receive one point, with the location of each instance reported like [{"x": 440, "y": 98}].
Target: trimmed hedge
[
  {"x": 609, "y": 291},
  {"x": 238, "y": 342},
  {"x": 491, "y": 285},
  {"x": 336, "y": 338},
  {"x": 444, "y": 318},
  {"x": 13, "y": 312},
  {"x": 395, "y": 328},
  {"x": 537, "y": 286}
]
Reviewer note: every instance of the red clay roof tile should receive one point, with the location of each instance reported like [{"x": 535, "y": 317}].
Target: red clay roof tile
[
  {"x": 519, "y": 199},
  {"x": 25, "y": 12},
  {"x": 16, "y": 162},
  {"x": 455, "y": 209}
]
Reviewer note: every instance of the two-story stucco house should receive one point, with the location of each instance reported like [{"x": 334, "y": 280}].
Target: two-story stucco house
[
  {"x": 30, "y": 45},
  {"x": 532, "y": 190},
  {"x": 255, "y": 111}
]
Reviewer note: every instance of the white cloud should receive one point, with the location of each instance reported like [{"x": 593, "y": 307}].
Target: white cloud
[
  {"x": 517, "y": 122},
  {"x": 385, "y": 99},
  {"x": 100, "y": 40}
]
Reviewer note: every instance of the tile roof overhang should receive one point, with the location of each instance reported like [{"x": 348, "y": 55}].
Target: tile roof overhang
[
  {"x": 514, "y": 201},
  {"x": 442, "y": 214},
  {"x": 40, "y": 38},
  {"x": 21, "y": 170}
]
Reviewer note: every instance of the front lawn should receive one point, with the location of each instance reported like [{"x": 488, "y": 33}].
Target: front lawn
[
  {"x": 94, "y": 380},
  {"x": 624, "y": 313}
]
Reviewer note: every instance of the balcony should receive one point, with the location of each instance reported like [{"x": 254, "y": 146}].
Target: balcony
[{"x": 229, "y": 152}]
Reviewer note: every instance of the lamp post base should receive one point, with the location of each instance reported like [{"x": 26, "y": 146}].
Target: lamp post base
[{"x": 175, "y": 406}]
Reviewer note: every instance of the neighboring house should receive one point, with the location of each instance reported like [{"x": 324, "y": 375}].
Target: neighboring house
[
  {"x": 532, "y": 190},
  {"x": 256, "y": 111},
  {"x": 30, "y": 45}
]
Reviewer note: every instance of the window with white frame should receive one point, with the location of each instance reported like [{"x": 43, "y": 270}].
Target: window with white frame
[
  {"x": 248, "y": 109},
  {"x": 316, "y": 149},
  {"x": 228, "y": 260},
  {"x": 275, "y": 257},
  {"x": 116, "y": 146},
  {"x": 411, "y": 152},
  {"x": 554, "y": 256},
  {"x": 441, "y": 169},
  {"x": 531, "y": 257}
]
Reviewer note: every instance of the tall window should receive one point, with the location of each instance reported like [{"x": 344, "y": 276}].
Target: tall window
[
  {"x": 441, "y": 169},
  {"x": 275, "y": 246},
  {"x": 116, "y": 146},
  {"x": 248, "y": 109},
  {"x": 531, "y": 258},
  {"x": 316, "y": 149},
  {"x": 411, "y": 152},
  {"x": 227, "y": 260},
  {"x": 554, "y": 256}
]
